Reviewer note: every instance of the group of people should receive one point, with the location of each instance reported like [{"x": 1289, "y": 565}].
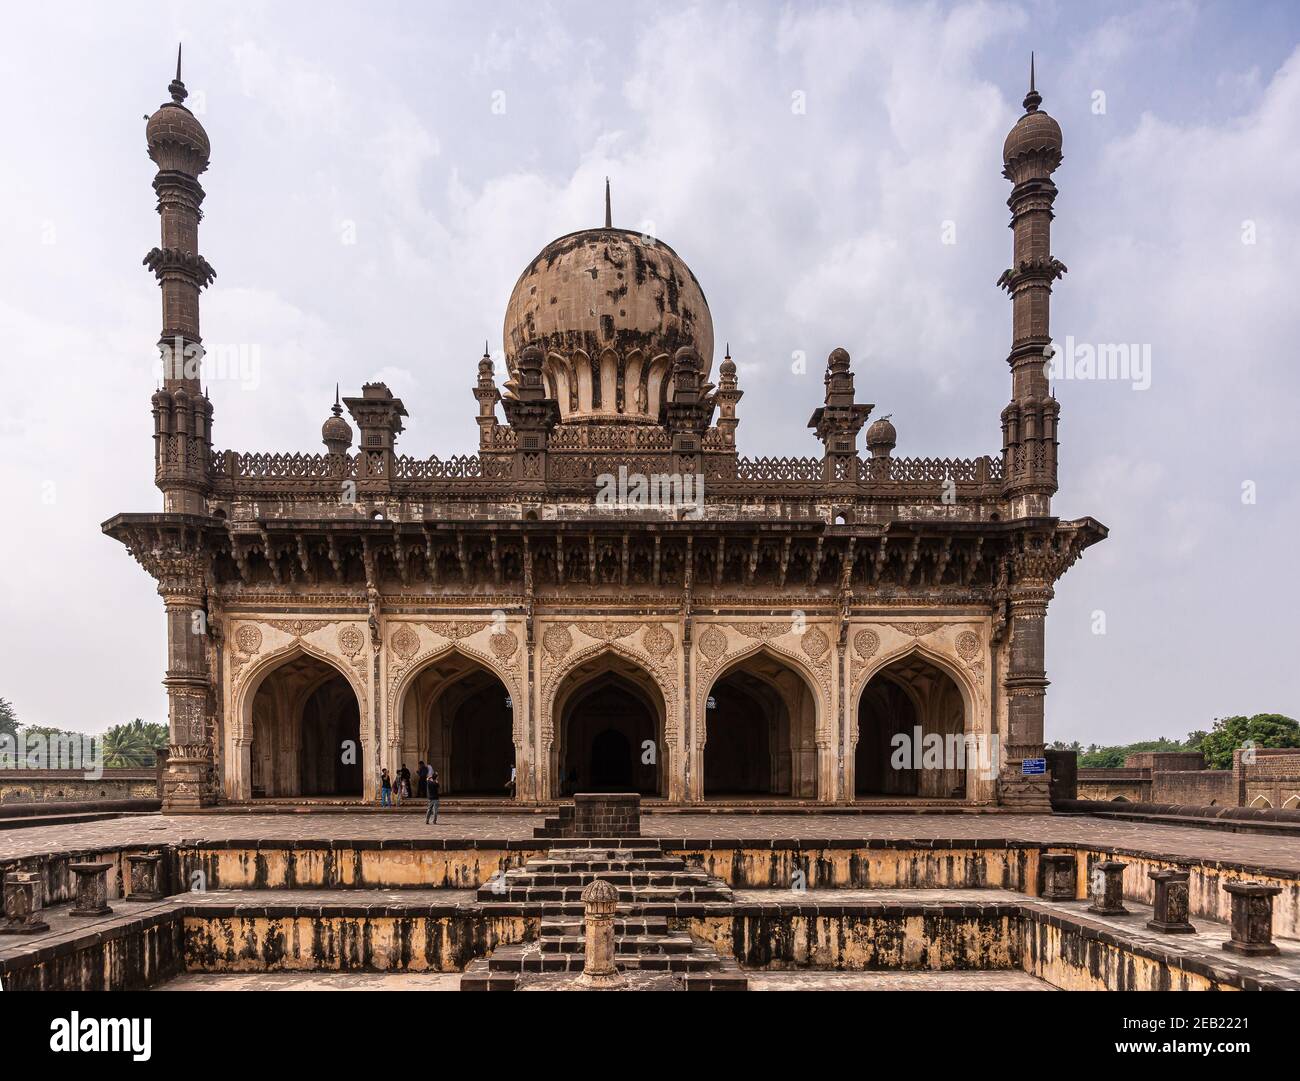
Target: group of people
[{"x": 392, "y": 790}]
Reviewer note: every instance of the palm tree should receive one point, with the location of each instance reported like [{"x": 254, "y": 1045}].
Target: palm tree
[{"x": 133, "y": 744}]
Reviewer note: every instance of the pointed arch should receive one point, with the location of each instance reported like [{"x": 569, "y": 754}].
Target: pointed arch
[
  {"x": 299, "y": 729},
  {"x": 761, "y": 736},
  {"x": 592, "y": 668},
  {"x": 457, "y": 710},
  {"x": 902, "y": 703}
]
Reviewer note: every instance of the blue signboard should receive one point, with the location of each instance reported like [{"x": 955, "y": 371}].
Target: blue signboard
[{"x": 1033, "y": 766}]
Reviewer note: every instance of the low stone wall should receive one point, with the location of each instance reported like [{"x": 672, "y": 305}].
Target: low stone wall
[
  {"x": 1202, "y": 787},
  {"x": 1131, "y": 785},
  {"x": 72, "y": 785},
  {"x": 133, "y": 955},
  {"x": 863, "y": 936},
  {"x": 346, "y": 938}
]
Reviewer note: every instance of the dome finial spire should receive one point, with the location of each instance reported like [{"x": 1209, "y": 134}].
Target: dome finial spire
[
  {"x": 609, "y": 219},
  {"x": 1033, "y": 99},
  {"x": 177, "y": 88},
  {"x": 336, "y": 409}
]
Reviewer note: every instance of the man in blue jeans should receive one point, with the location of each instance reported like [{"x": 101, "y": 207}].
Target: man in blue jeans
[{"x": 433, "y": 798}]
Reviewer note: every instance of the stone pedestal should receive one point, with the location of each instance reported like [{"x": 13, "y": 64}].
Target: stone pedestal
[
  {"x": 24, "y": 897},
  {"x": 607, "y": 814},
  {"x": 599, "y": 971},
  {"x": 1171, "y": 903},
  {"x": 92, "y": 889},
  {"x": 1252, "y": 918},
  {"x": 1106, "y": 888},
  {"x": 145, "y": 876},
  {"x": 1058, "y": 876}
]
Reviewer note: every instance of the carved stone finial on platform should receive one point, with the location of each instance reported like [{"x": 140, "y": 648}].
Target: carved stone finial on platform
[
  {"x": 599, "y": 971},
  {"x": 24, "y": 896},
  {"x": 1252, "y": 918}
]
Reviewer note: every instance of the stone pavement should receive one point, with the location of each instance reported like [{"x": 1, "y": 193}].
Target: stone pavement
[{"x": 1264, "y": 852}]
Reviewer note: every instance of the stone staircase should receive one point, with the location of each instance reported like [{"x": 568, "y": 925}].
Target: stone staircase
[{"x": 653, "y": 889}]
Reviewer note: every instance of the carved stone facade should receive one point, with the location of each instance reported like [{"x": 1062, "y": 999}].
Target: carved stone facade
[{"x": 607, "y": 594}]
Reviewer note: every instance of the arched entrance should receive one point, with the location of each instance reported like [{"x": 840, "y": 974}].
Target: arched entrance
[
  {"x": 760, "y": 721},
  {"x": 911, "y": 737},
  {"x": 610, "y": 728},
  {"x": 306, "y": 727},
  {"x": 458, "y": 716}
]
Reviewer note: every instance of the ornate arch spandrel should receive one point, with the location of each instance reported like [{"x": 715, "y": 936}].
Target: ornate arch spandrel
[
  {"x": 972, "y": 696},
  {"x": 559, "y": 660},
  {"x": 266, "y": 664},
  {"x": 500, "y": 658},
  {"x": 814, "y": 666}
]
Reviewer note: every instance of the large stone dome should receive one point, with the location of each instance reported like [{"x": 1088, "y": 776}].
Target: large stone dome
[{"x": 609, "y": 308}]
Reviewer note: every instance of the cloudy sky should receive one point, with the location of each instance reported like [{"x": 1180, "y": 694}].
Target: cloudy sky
[{"x": 382, "y": 172}]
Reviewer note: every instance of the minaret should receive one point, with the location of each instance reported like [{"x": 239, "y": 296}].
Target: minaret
[
  {"x": 727, "y": 396},
  {"x": 487, "y": 396},
  {"x": 182, "y": 413},
  {"x": 1030, "y": 155}
]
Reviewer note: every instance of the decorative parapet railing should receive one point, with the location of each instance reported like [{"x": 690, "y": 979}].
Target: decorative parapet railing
[
  {"x": 233, "y": 472},
  {"x": 628, "y": 437}
]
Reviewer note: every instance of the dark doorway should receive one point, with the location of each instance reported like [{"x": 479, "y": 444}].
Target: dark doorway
[
  {"x": 606, "y": 734},
  {"x": 481, "y": 746},
  {"x": 738, "y": 751},
  {"x": 330, "y": 760},
  {"x": 884, "y": 712},
  {"x": 611, "y": 761}
]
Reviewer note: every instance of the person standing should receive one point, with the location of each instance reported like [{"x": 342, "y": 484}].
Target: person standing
[
  {"x": 385, "y": 788},
  {"x": 510, "y": 784},
  {"x": 421, "y": 781},
  {"x": 432, "y": 792}
]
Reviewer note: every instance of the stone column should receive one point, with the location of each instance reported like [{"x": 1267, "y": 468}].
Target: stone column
[
  {"x": 92, "y": 889},
  {"x": 1058, "y": 873},
  {"x": 1026, "y": 688},
  {"x": 24, "y": 897},
  {"x": 144, "y": 875},
  {"x": 1171, "y": 905},
  {"x": 1106, "y": 888},
  {"x": 598, "y": 968},
  {"x": 1252, "y": 918}
]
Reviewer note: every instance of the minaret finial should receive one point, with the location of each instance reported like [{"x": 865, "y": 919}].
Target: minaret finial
[
  {"x": 609, "y": 219},
  {"x": 177, "y": 88},
  {"x": 1033, "y": 99},
  {"x": 486, "y": 352},
  {"x": 336, "y": 409}
]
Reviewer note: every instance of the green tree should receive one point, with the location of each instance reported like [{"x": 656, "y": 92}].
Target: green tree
[
  {"x": 1261, "y": 730},
  {"x": 133, "y": 744},
  {"x": 8, "y": 718}
]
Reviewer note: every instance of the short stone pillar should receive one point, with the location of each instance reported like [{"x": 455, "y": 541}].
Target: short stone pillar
[
  {"x": 92, "y": 889},
  {"x": 598, "y": 968},
  {"x": 145, "y": 875},
  {"x": 1106, "y": 888},
  {"x": 1252, "y": 918},
  {"x": 24, "y": 896},
  {"x": 1059, "y": 873},
  {"x": 1171, "y": 903}
]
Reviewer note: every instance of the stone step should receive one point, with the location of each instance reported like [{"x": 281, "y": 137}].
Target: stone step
[
  {"x": 630, "y": 925},
  {"x": 623, "y": 944},
  {"x": 624, "y": 880},
  {"x": 644, "y": 895},
  {"x": 607, "y": 842},
  {"x": 506, "y": 960},
  {"x": 478, "y": 976},
  {"x": 606, "y": 855},
  {"x": 647, "y": 863}
]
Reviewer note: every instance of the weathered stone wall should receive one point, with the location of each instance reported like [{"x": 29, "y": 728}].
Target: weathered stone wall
[
  {"x": 444, "y": 940},
  {"x": 61, "y": 785},
  {"x": 1197, "y": 788},
  {"x": 1133, "y": 785}
]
